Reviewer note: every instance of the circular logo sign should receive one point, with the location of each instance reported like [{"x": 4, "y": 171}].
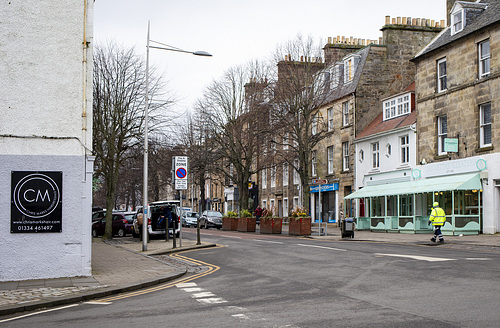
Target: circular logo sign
[{"x": 36, "y": 195}]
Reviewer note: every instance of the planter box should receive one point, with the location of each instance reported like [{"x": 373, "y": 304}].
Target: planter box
[
  {"x": 246, "y": 224},
  {"x": 229, "y": 224},
  {"x": 272, "y": 225},
  {"x": 300, "y": 226}
]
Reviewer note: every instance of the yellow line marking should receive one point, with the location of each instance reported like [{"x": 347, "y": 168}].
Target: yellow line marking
[{"x": 211, "y": 269}]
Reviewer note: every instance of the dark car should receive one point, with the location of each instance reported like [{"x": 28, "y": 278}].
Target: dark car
[
  {"x": 211, "y": 219},
  {"x": 190, "y": 219},
  {"x": 122, "y": 224}
]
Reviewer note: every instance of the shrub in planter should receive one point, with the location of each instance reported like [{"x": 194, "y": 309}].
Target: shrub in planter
[
  {"x": 300, "y": 223},
  {"x": 230, "y": 221},
  {"x": 246, "y": 223},
  {"x": 271, "y": 225}
]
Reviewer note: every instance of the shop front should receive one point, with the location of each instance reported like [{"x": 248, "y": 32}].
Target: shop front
[
  {"x": 324, "y": 201},
  {"x": 404, "y": 207}
]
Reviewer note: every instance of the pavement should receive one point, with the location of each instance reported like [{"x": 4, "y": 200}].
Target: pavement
[{"x": 120, "y": 266}]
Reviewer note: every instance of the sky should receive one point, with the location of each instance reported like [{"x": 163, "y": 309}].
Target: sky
[{"x": 237, "y": 31}]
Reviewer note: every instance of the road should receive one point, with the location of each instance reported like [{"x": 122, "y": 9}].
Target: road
[{"x": 278, "y": 281}]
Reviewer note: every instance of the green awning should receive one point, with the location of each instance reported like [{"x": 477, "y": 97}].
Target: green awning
[{"x": 469, "y": 181}]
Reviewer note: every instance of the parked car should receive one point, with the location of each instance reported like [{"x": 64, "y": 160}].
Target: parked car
[
  {"x": 155, "y": 225},
  {"x": 98, "y": 214},
  {"x": 122, "y": 224},
  {"x": 211, "y": 219},
  {"x": 190, "y": 219}
]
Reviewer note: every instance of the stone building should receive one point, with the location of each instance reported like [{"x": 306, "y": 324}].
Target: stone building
[
  {"x": 458, "y": 91},
  {"x": 46, "y": 139},
  {"x": 358, "y": 82}
]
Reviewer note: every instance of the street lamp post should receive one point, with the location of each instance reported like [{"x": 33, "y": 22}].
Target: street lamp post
[{"x": 146, "y": 118}]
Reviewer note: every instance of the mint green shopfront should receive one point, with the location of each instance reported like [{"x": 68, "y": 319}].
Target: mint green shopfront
[{"x": 404, "y": 207}]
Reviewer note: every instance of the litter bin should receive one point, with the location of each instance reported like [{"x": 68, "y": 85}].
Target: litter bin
[{"x": 347, "y": 227}]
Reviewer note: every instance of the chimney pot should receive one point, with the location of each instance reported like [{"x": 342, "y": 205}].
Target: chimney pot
[
  {"x": 403, "y": 21},
  {"x": 387, "y": 20},
  {"x": 399, "y": 20}
]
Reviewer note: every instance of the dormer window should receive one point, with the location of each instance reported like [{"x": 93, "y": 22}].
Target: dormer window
[
  {"x": 457, "y": 21},
  {"x": 350, "y": 63},
  {"x": 397, "y": 106}
]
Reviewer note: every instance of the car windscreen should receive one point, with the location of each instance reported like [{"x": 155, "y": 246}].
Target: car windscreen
[{"x": 214, "y": 214}]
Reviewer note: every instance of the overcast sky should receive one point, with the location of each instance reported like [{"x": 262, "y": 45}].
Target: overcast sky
[{"x": 237, "y": 31}]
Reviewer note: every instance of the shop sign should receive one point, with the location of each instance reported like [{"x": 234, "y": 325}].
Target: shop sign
[
  {"x": 325, "y": 187},
  {"x": 451, "y": 145},
  {"x": 36, "y": 202}
]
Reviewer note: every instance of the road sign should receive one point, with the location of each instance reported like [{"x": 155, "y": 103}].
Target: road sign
[
  {"x": 181, "y": 172},
  {"x": 319, "y": 181}
]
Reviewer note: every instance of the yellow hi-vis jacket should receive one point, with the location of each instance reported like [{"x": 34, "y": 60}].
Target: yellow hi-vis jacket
[{"x": 438, "y": 216}]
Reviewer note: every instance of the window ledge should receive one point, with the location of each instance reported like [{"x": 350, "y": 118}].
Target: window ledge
[{"x": 484, "y": 149}]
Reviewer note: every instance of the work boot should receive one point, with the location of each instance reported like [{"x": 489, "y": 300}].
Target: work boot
[
  {"x": 433, "y": 239},
  {"x": 441, "y": 241}
]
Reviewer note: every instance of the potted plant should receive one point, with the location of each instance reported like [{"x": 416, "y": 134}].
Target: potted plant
[
  {"x": 270, "y": 224},
  {"x": 230, "y": 221},
  {"x": 300, "y": 223},
  {"x": 246, "y": 223}
]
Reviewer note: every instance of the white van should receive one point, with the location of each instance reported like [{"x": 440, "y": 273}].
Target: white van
[{"x": 154, "y": 214}]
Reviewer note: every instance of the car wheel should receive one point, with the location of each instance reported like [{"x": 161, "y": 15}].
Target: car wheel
[
  {"x": 94, "y": 233},
  {"x": 121, "y": 233}
]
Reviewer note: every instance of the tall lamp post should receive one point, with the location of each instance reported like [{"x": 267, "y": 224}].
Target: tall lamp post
[{"x": 146, "y": 119}]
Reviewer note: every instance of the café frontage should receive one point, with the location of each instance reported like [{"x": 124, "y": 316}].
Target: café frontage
[{"x": 404, "y": 207}]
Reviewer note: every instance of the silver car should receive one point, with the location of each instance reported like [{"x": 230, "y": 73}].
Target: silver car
[{"x": 190, "y": 219}]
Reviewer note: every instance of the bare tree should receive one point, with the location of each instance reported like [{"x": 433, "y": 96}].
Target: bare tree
[
  {"x": 230, "y": 125},
  {"x": 298, "y": 91},
  {"x": 118, "y": 114}
]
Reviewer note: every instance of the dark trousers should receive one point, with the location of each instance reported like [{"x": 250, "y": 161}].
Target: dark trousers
[{"x": 437, "y": 232}]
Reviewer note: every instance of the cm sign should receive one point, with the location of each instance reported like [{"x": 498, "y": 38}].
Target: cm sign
[{"x": 36, "y": 202}]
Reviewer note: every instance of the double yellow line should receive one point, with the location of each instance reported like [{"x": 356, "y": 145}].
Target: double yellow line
[{"x": 210, "y": 269}]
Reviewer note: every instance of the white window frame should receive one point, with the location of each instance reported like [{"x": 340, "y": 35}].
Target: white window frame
[
  {"x": 285, "y": 140},
  {"x": 442, "y": 80},
  {"x": 404, "y": 142},
  {"x": 335, "y": 77},
  {"x": 457, "y": 21},
  {"x": 350, "y": 67},
  {"x": 442, "y": 134},
  {"x": 485, "y": 125},
  {"x": 329, "y": 112},
  {"x": 397, "y": 106},
  {"x": 263, "y": 176},
  {"x": 345, "y": 113},
  {"x": 285, "y": 174},
  {"x": 375, "y": 148},
  {"x": 484, "y": 58},
  {"x": 296, "y": 176},
  {"x": 345, "y": 156},
  {"x": 273, "y": 176},
  {"x": 314, "y": 125},
  {"x": 329, "y": 155},
  {"x": 314, "y": 161},
  {"x": 272, "y": 205},
  {"x": 264, "y": 203},
  {"x": 296, "y": 202}
]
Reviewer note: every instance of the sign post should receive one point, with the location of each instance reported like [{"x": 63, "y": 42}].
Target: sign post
[{"x": 181, "y": 183}]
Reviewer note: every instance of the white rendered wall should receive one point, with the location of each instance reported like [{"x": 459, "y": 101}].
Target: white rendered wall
[{"x": 46, "y": 106}]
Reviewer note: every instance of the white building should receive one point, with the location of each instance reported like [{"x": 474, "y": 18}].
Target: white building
[{"x": 45, "y": 139}]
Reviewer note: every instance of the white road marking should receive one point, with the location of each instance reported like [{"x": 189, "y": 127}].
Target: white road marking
[
  {"x": 478, "y": 259},
  {"x": 213, "y": 300},
  {"x": 235, "y": 237},
  {"x": 323, "y": 247},
  {"x": 39, "y": 312},
  {"x": 417, "y": 257},
  {"x": 269, "y": 241},
  {"x": 204, "y": 294},
  {"x": 98, "y": 303},
  {"x": 186, "y": 284},
  {"x": 193, "y": 290},
  {"x": 240, "y": 316}
]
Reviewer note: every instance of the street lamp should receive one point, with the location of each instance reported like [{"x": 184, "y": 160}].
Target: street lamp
[{"x": 146, "y": 118}]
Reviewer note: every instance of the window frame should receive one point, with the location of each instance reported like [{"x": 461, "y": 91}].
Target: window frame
[
  {"x": 285, "y": 174},
  {"x": 404, "y": 143},
  {"x": 442, "y": 78},
  {"x": 296, "y": 175},
  {"x": 455, "y": 27},
  {"x": 329, "y": 114},
  {"x": 483, "y": 126},
  {"x": 273, "y": 176},
  {"x": 484, "y": 60},
  {"x": 264, "y": 178},
  {"x": 314, "y": 162},
  {"x": 329, "y": 155},
  {"x": 345, "y": 113},
  {"x": 345, "y": 156},
  {"x": 440, "y": 134},
  {"x": 375, "y": 149}
]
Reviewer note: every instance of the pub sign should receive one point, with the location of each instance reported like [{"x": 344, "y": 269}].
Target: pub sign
[{"x": 36, "y": 202}]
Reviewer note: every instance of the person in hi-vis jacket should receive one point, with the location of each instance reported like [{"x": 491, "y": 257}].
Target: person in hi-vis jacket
[{"x": 437, "y": 218}]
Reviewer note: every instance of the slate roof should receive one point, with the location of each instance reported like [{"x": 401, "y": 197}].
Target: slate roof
[{"x": 476, "y": 19}]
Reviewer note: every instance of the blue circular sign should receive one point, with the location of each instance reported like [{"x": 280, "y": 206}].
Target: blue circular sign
[{"x": 181, "y": 173}]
